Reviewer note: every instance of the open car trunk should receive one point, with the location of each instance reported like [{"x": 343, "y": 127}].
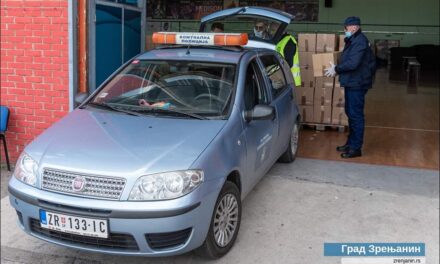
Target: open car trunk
[{"x": 244, "y": 19}]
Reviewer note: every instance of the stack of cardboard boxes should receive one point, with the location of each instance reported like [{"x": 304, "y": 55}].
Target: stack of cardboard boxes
[
  {"x": 305, "y": 93},
  {"x": 320, "y": 98}
]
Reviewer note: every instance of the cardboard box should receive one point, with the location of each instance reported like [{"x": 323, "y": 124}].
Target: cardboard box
[
  {"x": 326, "y": 42},
  {"x": 323, "y": 96},
  {"x": 325, "y": 82},
  {"x": 307, "y": 78},
  {"x": 322, "y": 114},
  {"x": 338, "y": 97},
  {"x": 306, "y": 68},
  {"x": 305, "y": 60},
  {"x": 306, "y": 113},
  {"x": 321, "y": 61},
  {"x": 304, "y": 95},
  {"x": 341, "y": 42},
  {"x": 337, "y": 83},
  {"x": 307, "y": 42},
  {"x": 339, "y": 117},
  {"x": 324, "y": 90}
]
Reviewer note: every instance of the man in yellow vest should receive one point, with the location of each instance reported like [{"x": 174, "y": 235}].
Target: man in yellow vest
[{"x": 287, "y": 47}]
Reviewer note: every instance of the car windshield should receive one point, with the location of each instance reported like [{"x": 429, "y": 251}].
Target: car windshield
[
  {"x": 263, "y": 29},
  {"x": 200, "y": 88}
]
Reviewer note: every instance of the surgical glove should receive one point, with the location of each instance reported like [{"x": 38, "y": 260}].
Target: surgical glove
[{"x": 330, "y": 71}]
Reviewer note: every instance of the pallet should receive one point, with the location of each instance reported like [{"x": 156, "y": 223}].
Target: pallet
[{"x": 323, "y": 127}]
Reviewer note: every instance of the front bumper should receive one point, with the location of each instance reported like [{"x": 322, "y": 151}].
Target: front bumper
[{"x": 135, "y": 228}]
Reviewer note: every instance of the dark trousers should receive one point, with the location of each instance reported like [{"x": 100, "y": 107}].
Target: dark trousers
[{"x": 354, "y": 108}]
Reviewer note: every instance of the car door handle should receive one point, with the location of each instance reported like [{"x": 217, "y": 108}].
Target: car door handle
[{"x": 274, "y": 114}]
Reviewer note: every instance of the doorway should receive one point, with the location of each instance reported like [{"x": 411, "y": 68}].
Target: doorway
[{"x": 116, "y": 34}]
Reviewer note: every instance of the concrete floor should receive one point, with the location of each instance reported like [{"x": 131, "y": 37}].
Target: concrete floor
[{"x": 289, "y": 215}]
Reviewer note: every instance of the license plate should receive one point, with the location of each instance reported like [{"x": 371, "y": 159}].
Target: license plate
[{"x": 91, "y": 227}]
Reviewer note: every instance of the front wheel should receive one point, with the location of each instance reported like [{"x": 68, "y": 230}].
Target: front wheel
[
  {"x": 290, "y": 154},
  {"x": 225, "y": 223}
]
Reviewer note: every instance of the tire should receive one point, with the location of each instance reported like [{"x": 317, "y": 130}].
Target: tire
[
  {"x": 290, "y": 155},
  {"x": 212, "y": 247}
]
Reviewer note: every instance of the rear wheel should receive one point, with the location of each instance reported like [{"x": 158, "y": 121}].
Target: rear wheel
[
  {"x": 225, "y": 223},
  {"x": 290, "y": 154}
]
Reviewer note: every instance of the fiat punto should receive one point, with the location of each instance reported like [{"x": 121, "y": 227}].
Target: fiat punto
[{"x": 158, "y": 159}]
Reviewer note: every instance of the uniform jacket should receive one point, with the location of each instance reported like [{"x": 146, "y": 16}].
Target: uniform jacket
[
  {"x": 287, "y": 48},
  {"x": 357, "y": 64}
]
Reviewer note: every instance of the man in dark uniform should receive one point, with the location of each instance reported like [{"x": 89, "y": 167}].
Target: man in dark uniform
[{"x": 356, "y": 69}]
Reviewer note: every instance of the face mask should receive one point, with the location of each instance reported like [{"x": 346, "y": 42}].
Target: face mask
[
  {"x": 348, "y": 34},
  {"x": 258, "y": 34}
]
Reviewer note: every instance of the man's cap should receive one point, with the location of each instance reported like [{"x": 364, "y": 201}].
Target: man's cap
[{"x": 353, "y": 20}]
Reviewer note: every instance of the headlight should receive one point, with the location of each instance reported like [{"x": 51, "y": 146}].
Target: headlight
[
  {"x": 164, "y": 186},
  {"x": 26, "y": 170}
]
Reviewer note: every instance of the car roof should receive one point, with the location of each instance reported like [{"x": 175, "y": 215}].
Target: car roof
[{"x": 230, "y": 55}]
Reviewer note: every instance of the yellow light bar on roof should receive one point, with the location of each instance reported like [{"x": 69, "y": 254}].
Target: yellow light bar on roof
[{"x": 196, "y": 38}]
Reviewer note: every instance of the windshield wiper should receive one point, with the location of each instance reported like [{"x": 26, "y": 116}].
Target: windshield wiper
[
  {"x": 173, "y": 111},
  {"x": 137, "y": 111},
  {"x": 113, "y": 108}
]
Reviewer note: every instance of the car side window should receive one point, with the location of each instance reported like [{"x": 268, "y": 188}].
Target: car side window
[
  {"x": 274, "y": 72},
  {"x": 254, "y": 92}
]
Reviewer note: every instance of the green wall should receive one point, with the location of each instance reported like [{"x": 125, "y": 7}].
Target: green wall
[
  {"x": 391, "y": 12},
  {"x": 410, "y": 21}
]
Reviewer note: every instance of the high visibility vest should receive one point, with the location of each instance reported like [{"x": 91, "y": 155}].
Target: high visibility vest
[{"x": 295, "y": 67}]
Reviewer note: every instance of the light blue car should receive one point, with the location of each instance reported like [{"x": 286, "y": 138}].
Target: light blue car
[{"x": 157, "y": 161}]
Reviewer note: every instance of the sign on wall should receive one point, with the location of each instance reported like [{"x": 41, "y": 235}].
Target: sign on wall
[{"x": 303, "y": 10}]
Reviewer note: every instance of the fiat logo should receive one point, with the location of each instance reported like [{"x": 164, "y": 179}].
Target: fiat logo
[{"x": 78, "y": 184}]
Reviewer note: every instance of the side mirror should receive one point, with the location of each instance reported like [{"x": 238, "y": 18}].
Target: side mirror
[
  {"x": 80, "y": 97},
  {"x": 260, "y": 112}
]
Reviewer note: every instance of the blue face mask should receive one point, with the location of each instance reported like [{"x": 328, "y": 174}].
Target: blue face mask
[{"x": 348, "y": 34}]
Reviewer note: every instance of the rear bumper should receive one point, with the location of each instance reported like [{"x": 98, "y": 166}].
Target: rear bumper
[{"x": 132, "y": 232}]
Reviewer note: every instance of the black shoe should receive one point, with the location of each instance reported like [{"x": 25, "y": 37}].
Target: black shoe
[
  {"x": 351, "y": 153},
  {"x": 343, "y": 148}
]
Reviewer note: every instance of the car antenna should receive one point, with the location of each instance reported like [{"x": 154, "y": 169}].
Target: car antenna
[{"x": 187, "y": 50}]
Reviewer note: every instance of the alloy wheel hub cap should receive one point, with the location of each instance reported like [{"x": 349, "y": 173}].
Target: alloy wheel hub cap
[
  {"x": 294, "y": 139},
  {"x": 225, "y": 220}
]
